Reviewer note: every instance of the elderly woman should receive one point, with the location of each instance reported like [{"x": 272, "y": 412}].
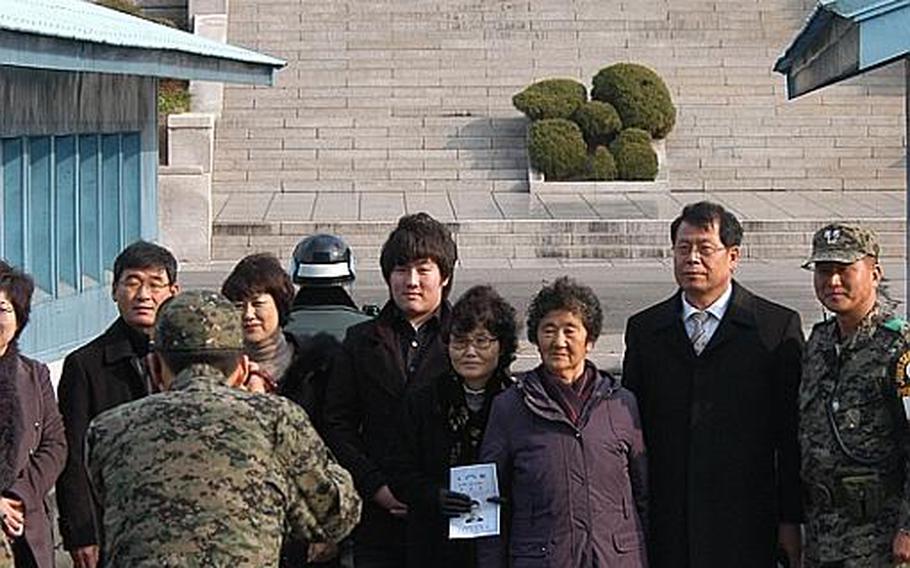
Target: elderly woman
[
  {"x": 444, "y": 423},
  {"x": 32, "y": 441},
  {"x": 568, "y": 448},
  {"x": 283, "y": 362}
]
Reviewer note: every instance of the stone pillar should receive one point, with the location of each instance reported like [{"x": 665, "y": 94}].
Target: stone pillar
[
  {"x": 191, "y": 140},
  {"x": 201, "y": 7},
  {"x": 185, "y": 187},
  {"x": 185, "y": 212},
  {"x": 206, "y": 96}
]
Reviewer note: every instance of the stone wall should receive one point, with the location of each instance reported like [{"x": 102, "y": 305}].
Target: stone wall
[{"x": 415, "y": 94}]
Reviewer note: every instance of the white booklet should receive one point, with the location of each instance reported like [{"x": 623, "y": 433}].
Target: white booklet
[{"x": 479, "y": 482}]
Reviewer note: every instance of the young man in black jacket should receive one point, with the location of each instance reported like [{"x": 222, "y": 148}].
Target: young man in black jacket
[{"x": 382, "y": 359}]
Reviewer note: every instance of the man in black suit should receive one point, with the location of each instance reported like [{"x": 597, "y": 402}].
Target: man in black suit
[
  {"x": 108, "y": 371},
  {"x": 716, "y": 371}
]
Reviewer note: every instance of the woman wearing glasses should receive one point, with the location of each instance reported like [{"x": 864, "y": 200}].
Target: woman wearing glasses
[
  {"x": 568, "y": 449},
  {"x": 443, "y": 424},
  {"x": 32, "y": 441}
]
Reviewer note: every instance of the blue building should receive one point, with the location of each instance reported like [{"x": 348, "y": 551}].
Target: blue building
[{"x": 79, "y": 149}]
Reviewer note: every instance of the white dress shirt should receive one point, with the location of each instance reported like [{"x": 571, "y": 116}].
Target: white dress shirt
[{"x": 715, "y": 313}]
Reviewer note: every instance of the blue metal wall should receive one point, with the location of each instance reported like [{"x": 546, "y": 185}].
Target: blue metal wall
[{"x": 69, "y": 205}]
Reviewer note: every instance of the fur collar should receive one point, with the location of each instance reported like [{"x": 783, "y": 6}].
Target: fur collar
[{"x": 10, "y": 416}]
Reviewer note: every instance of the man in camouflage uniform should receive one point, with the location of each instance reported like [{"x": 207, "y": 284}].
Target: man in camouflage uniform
[
  {"x": 853, "y": 427},
  {"x": 205, "y": 473}
]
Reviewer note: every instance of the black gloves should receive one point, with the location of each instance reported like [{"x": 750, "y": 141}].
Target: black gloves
[{"x": 452, "y": 504}]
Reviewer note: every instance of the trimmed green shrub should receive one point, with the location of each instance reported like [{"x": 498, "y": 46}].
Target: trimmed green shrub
[
  {"x": 556, "y": 148},
  {"x": 635, "y": 161},
  {"x": 639, "y": 95},
  {"x": 601, "y": 165},
  {"x": 551, "y": 98},
  {"x": 634, "y": 135},
  {"x": 599, "y": 122}
]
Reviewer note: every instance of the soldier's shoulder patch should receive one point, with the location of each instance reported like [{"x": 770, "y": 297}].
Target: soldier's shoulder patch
[
  {"x": 897, "y": 324},
  {"x": 902, "y": 372}
]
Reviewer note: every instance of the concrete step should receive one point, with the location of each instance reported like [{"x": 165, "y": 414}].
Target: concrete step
[{"x": 526, "y": 239}]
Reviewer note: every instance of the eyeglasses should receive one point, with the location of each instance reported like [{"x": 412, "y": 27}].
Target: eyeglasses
[
  {"x": 481, "y": 343},
  {"x": 704, "y": 250},
  {"x": 133, "y": 285}
]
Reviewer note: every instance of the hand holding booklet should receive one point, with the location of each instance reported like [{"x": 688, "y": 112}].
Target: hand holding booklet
[{"x": 479, "y": 482}]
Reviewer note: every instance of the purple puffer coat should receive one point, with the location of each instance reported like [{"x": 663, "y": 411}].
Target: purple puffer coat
[{"x": 576, "y": 497}]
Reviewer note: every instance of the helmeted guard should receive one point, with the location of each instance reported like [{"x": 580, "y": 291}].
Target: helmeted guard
[{"x": 323, "y": 267}]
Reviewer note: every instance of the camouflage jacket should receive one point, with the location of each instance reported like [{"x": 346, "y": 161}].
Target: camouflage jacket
[
  {"x": 853, "y": 433},
  {"x": 208, "y": 475}
]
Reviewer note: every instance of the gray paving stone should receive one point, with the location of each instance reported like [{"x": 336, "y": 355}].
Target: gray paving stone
[
  {"x": 521, "y": 206},
  {"x": 218, "y": 202},
  {"x": 436, "y": 204},
  {"x": 615, "y": 207},
  {"x": 245, "y": 207},
  {"x": 568, "y": 207},
  {"x": 381, "y": 206},
  {"x": 749, "y": 205},
  {"x": 336, "y": 207},
  {"x": 799, "y": 206},
  {"x": 474, "y": 206},
  {"x": 291, "y": 207}
]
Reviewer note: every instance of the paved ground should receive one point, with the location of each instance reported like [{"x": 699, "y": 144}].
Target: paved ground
[{"x": 456, "y": 206}]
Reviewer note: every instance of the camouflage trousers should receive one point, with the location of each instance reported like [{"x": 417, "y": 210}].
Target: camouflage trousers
[{"x": 834, "y": 540}]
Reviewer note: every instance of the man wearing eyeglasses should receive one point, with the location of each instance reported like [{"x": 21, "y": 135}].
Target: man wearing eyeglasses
[
  {"x": 105, "y": 373},
  {"x": 716, "y": 372}
]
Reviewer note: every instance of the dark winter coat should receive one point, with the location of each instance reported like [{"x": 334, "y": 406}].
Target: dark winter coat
[
  {"x": 96, "y": 377},
  {"x": 720, "y": 429},
  {"x": 439, "y": 432},
  {"x": 305, "y": 382},
  {"x": 576, "y": 495},
  {"x": 39, "y": 446},
  {"x": 363, "y": 398}
]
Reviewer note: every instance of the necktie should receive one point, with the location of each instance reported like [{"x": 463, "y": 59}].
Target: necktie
[{"x": 699, "y": 336}]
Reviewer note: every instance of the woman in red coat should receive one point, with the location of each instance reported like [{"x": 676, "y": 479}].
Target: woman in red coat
[{"x": 32, "y": 442}]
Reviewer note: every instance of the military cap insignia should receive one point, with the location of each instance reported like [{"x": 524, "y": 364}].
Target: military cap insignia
[{"x": 832, "y": 236}]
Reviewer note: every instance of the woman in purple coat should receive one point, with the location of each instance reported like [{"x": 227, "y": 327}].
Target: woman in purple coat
[
  {"x": 568, "y": 448},
  {"x": 32, "y": 442}
]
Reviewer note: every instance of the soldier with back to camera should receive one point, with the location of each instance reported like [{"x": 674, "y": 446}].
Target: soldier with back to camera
[
  {"x": 205, "y": 473},
  {"x": 323, "y": 267}
]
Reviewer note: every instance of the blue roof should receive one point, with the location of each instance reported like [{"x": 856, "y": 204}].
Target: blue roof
[
  {"x": 75, "y": 23},
  {"x": 844, "y": 38},
  {"x": 860, "y": 9}
]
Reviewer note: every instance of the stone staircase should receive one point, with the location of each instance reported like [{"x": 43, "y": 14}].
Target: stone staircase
[{"x": 504, "y": 243}]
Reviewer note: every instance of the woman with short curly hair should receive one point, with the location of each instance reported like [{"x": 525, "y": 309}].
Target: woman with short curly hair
[
  {"x": 443, "y": 424},
  {"x": 568, "y": 447}
]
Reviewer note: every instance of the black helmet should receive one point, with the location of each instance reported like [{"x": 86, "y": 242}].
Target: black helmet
[{"x": 322, "y": 260}]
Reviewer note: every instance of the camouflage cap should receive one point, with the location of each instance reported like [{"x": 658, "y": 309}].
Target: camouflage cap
[
  {"x": 843, "y": 243},
  {"x": 199, "y": 320}
]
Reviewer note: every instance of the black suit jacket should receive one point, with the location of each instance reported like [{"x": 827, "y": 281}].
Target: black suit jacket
[
  {"x": 361, "y": 416},
  {"x": 99, "y": 375},
  {"x": 720, "y": 430}
]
